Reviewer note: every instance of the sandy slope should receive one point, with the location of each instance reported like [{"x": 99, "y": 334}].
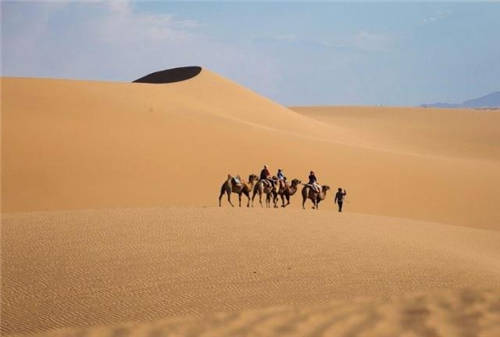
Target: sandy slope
[
  {"x": 461, "y": 133},
  {"x": 429, "y": 178},
  {"x": 85, "y": 268},
  {"x": 74, "y": 144}
]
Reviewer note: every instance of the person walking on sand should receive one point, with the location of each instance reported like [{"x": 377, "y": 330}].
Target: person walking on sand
[{"x": 339, "y": 198}]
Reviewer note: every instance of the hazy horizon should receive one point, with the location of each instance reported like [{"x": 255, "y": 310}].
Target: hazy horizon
[{"x": 295, "y": 53}]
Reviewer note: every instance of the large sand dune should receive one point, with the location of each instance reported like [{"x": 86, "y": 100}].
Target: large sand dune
[
  {"x": 77, "y": 145},
  {"x": 108, "y": 192}
]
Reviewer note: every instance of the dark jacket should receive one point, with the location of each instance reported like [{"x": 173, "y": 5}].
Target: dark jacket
[
  {"x": 312, "y": 179},
  {"x": 339, "y": 197}
]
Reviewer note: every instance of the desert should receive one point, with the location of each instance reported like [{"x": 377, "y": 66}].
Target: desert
[{"x": 111, "y": 224}]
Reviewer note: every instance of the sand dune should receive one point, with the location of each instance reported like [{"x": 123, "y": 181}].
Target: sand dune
[
  {"x": 78, "y": 145},
  {"x": 461, "y": 133},
  {"x": 86, "y": 268},
  {"x": 109, "y": 226}
]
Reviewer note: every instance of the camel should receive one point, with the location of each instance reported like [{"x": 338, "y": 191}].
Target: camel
[
  {"x": 286, "y": 191},
  {"x": 229, "y": 186},
  {"x": 266, "y": 188},
  {"x": 316, "y": 197}
]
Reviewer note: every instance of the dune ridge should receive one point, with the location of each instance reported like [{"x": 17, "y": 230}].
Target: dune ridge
[
  {"x": 140, "y": 145},
  {"x": 170, "y": 75}
]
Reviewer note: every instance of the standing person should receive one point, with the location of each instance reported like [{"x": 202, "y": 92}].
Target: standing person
[{"x": 339, "y": 198}]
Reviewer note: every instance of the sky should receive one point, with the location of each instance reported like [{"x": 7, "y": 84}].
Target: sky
[{"x": 297, "y": 53}]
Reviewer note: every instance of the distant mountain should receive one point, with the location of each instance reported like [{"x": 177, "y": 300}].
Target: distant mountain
[{"x": 488, "y": 101}]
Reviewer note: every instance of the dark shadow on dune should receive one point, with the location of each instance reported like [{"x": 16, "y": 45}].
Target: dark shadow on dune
[{"x": 170, "y": 75}]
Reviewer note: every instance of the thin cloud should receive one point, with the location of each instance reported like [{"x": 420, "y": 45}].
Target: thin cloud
[{"x": 368, "y": 41}]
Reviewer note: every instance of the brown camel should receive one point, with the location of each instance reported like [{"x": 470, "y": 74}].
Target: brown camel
[
  {"x": 316, "y": 197},
  {"x": 286, "y": 191},
  {"x": 265, "y": 187},
  {"x": 230, "y": 186}
]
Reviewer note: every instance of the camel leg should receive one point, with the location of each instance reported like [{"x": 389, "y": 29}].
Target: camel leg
[
  {"x": 239, "y": 198},
  {"x": 282, "y": 200},
  {"x": 247, "y": 194},
  {"x": 229, "y": 198},
  {"x": 222, "y": 191},
  {"x": 287, "y": 200},
  {"x": 275, "y": 199},
  {"x": 269, "y": 199},
  {"x": 260, "y": 199}
]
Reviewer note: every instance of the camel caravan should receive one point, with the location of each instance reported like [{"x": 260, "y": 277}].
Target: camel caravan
[{"x": 272, "y": 188}]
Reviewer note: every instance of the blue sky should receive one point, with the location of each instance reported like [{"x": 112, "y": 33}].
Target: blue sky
[{"x": 297, "y": 53}]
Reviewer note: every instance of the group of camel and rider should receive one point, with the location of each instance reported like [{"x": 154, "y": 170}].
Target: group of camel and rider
[{"x": 277, "y": 186}]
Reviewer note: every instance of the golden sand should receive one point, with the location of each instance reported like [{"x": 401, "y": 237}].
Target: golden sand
[
  {"x": 110, "y": 227},
  {"x": 86, "y": 268}
]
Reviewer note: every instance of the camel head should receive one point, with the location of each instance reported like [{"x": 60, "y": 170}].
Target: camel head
[
  {"x": 295, "y": 182},
  {"x": 252, "y": 178},
  {"x": 325, "y": 188}
]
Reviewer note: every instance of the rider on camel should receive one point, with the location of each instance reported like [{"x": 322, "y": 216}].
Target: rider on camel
[
  {"x": 281, "y": 179},
  {"x": 265, "y": 176},
  {"x": 313, "y": 181}
]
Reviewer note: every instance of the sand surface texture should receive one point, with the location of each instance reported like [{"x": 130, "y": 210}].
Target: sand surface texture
[
  {"x": 88, "y": 268},
  {"x": 110, "y": 225}
]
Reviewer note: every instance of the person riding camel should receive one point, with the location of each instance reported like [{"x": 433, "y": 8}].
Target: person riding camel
[
  {"x": 281, "y": 179},
  {"x": 265, "y": 176},
  {"x": 237, "y": 180},
  {"x": 313, "y": 181}
]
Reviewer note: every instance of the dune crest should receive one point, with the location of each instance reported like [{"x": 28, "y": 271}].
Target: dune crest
[
  {"x": 78, "y": 145},
  {"x": 170, "y": 75}
]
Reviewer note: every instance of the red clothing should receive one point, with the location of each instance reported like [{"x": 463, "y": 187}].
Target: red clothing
[{"x": 264, "y": 174}]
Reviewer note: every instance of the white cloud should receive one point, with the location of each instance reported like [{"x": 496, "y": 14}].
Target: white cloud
[
  {"x": 75, "y": 39},
  {"x": 115, "y": 41},
  {"x": 121, "y": 24},
  {"x": 437, "y": 16},
  {"x": 368, "y": 41}
]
